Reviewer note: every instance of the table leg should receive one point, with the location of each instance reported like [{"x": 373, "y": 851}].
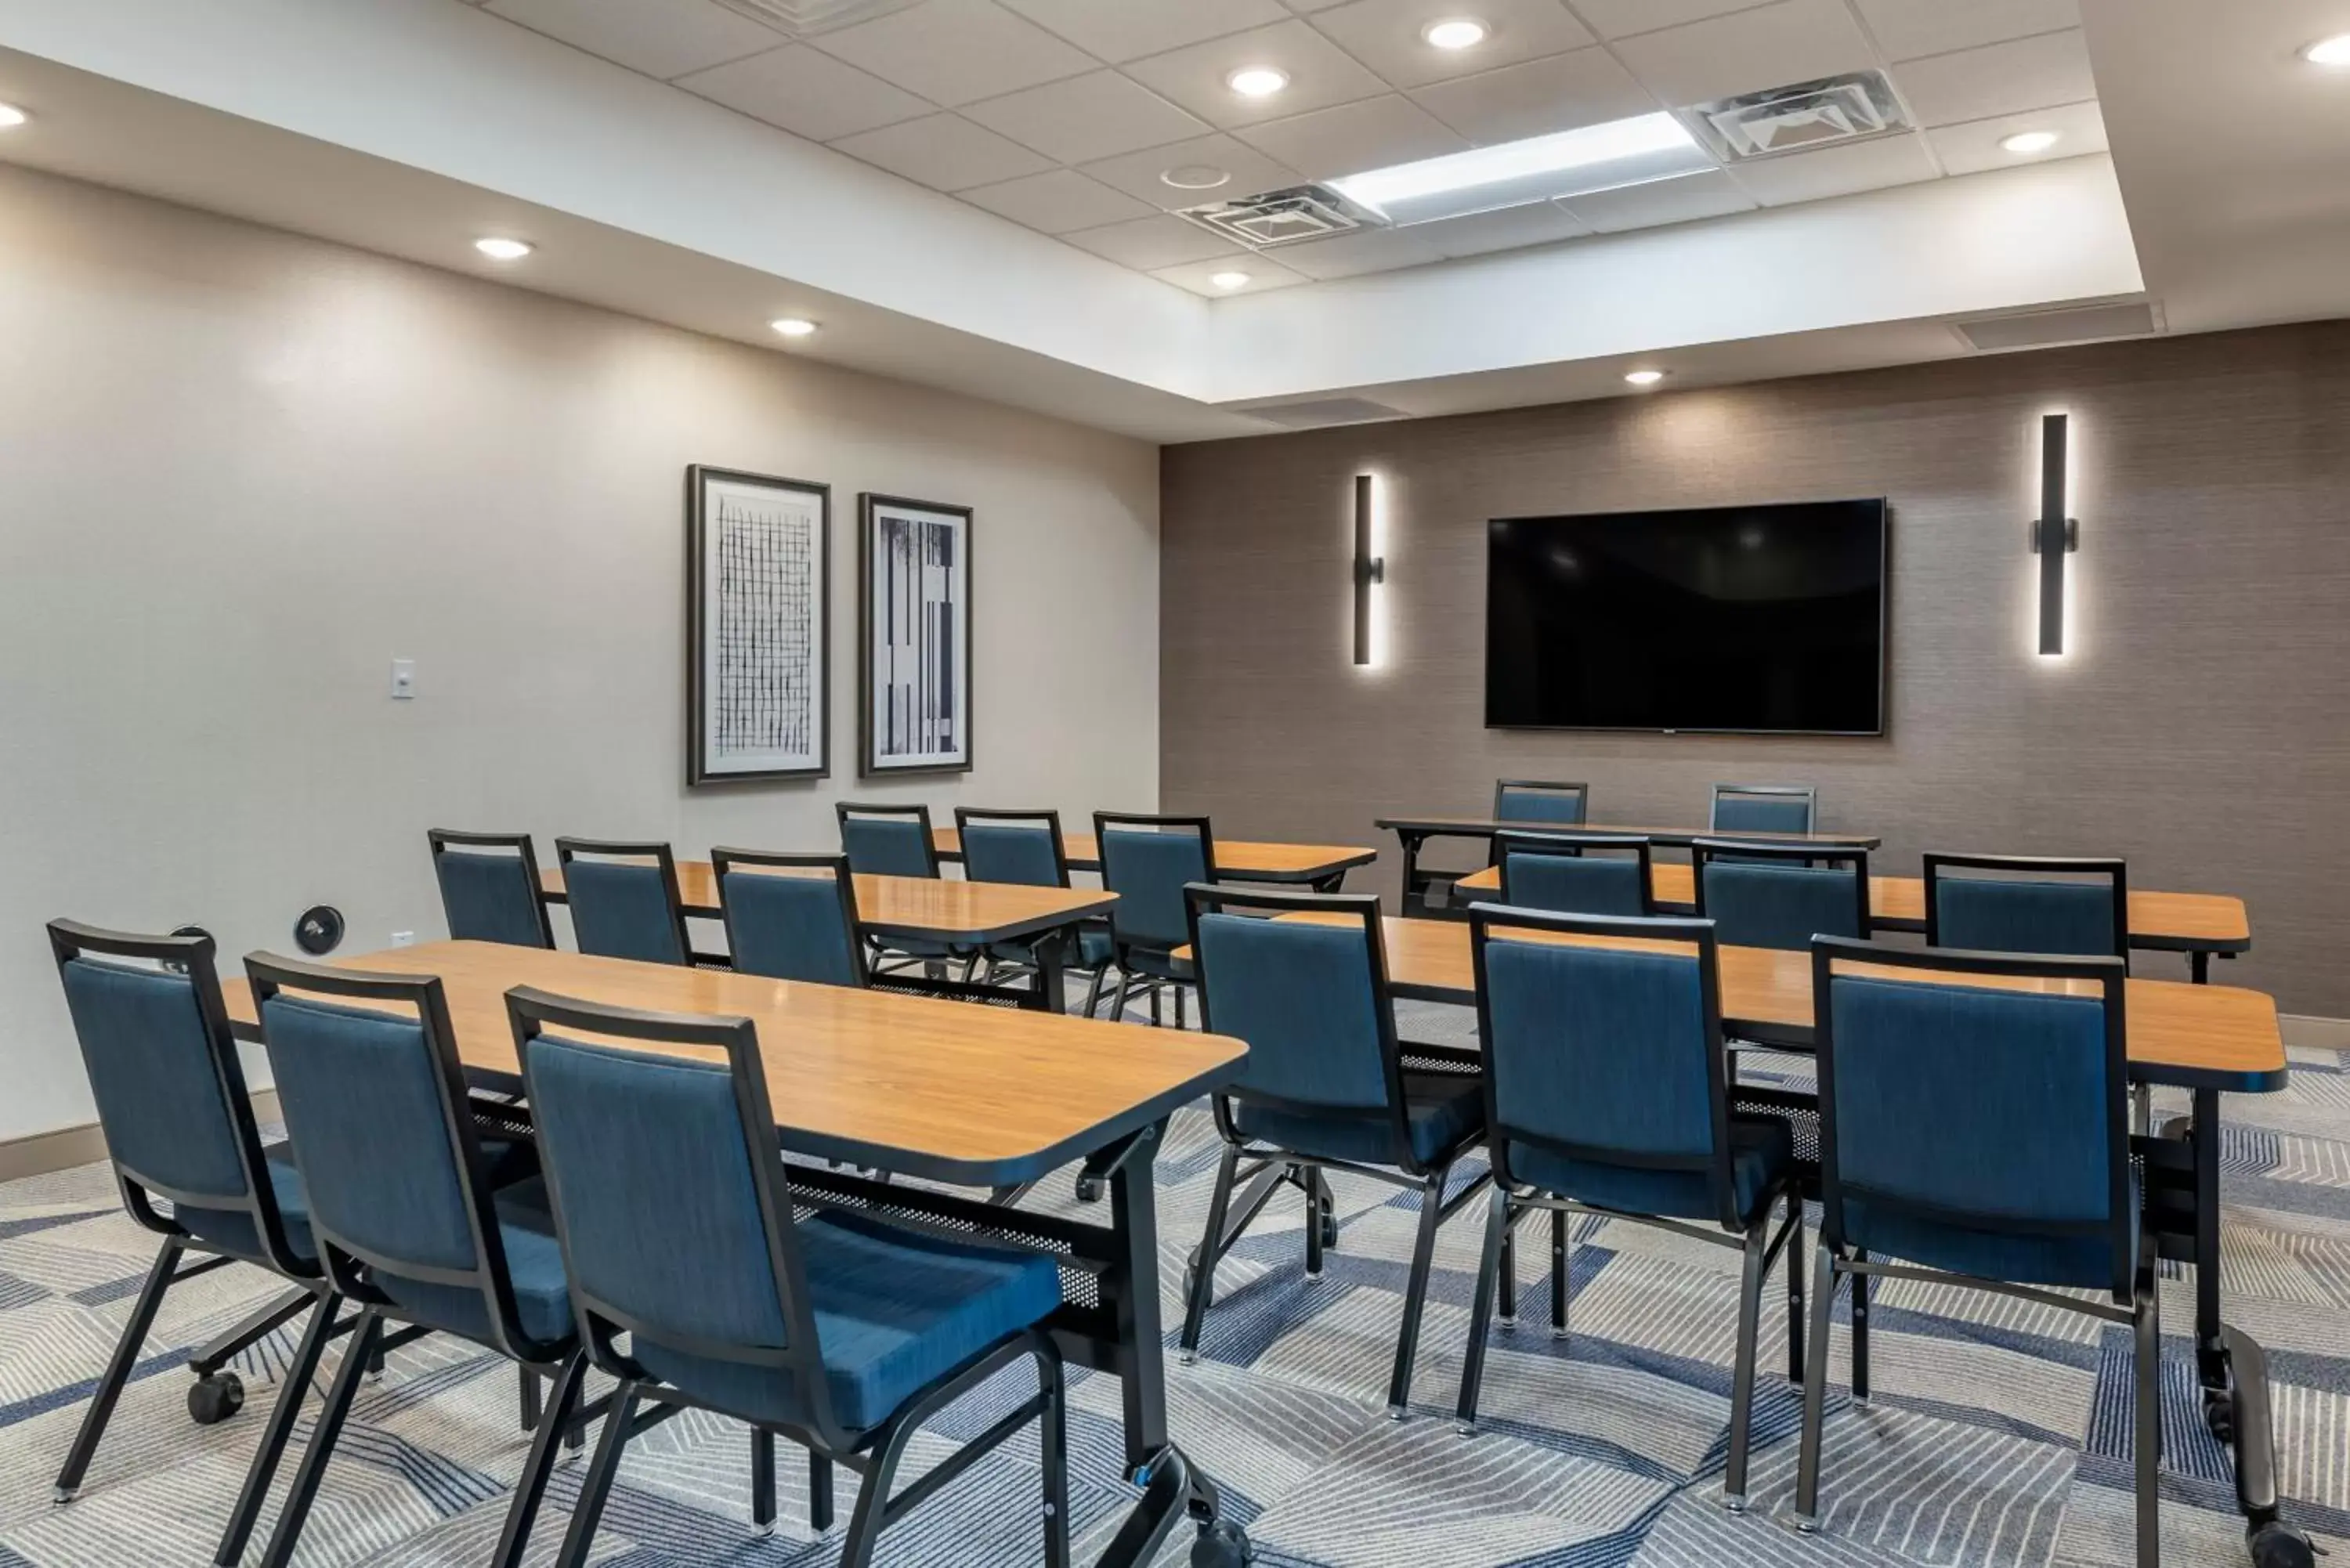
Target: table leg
[
  {"x": 2198, "y": 965},
  {"x": 1052, "y": 962},
  {"x": 1413, "y": 902}
]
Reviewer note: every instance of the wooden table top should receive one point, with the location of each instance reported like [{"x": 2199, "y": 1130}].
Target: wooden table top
[
  {"x": 936, "y": 906},
  {"x": 951, "y": 1090},
  {"x": 2195, "y": 1036},
  {"x": 1673, "y": 838},
  {"x": 1241, "y": 858},
  {"x": 2189, "y": 923}
]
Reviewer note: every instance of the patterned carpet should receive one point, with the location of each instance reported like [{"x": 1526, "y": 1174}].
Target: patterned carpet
[{"x": 1999, "y": 1435}]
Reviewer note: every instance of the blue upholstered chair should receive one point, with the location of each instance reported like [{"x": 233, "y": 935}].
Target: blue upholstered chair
[
  {"x": 1606, "y": 1088},
  {"x": 1148, "y": 861},
  {"x": 489, "y": 887},
  {"x": 624, "y": 900},
  {"x": 839, "y": 1331},
  {"x": 1763, "y": 808},
  {"x": 2028, "y": 904},
  {"x": 1981, "y": 1136},
  {"x": 895, "y": 841},
  {"x": 1577, "y": 873},
  {"x": 790, "y": 917},
  {"x": 1325, "y": 1087},
  {"x": 1780, "y": 896},
  {"x": 1025, "y": 848},
  {"x": 1539, "y": 801},
  {"x": 172, "y": 1101}
]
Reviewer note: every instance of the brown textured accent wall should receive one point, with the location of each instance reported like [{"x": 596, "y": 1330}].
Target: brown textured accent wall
[{"x": 2202, "y": 726}]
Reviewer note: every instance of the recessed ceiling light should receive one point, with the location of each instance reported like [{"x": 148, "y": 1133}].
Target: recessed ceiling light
[
  {"x": 794, "y": 326},
  {"x": 2333, "y": 51},
  {"x": 1257, "y": 81},
  {"x": 1196, "y": 177},
  {"x": 1228, "y": 281},
  {"x": 1644, "y": 378},
  {"x": 1455, "y": 33},
  {"x": 502, "y": 249},
  {"x": 1540, "y": 168},
  {"x": 2026, "y": 142},
  {"x": 11, "y": 115}
]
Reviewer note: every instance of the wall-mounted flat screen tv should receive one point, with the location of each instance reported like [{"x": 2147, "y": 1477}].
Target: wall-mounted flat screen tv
[{"x": 1757, "y": 619}]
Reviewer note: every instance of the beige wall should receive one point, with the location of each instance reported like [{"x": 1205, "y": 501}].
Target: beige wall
[
  {"x": 240, "y": 471},
  {"x": 2201, "y": 729}
]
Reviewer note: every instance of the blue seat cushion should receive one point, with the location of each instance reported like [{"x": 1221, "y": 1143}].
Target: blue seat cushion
[
  {"x": 2016, "y": 1257},
  {"x": 1763, "y": 1149},
  {"x": 1441, "y": 1110},
  {"x": 534, "y": 1261},
  {"x": 232, "y": 1229},
  {"x": 895, "y": 1311}
]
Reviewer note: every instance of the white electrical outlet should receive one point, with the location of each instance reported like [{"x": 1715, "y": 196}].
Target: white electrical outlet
[
  {"x": 404, "y": 680},
  {"x": 403, "y": 939}
]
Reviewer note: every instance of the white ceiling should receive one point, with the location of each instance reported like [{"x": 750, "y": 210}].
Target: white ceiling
[{"x": 1061, "y": 115}]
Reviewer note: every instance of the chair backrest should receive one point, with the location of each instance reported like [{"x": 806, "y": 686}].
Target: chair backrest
[
  {"x": 1764, "y": 808},
  {"x": 1605, "y": 1053},
  {"x": 489, "y": 887},
  {"x": 1780, "y": 896},
  {"x": 667, "y": 1181},
  {"x": 1022, "y": 846},
  {"x": 2027, "y": 904},
  {"x": 374, "y": 1100},
  {"x": 624, "y": 900},
  {"x": 1538, "y": 800},
  {"x": 1148, "y": 861},
  {"x": 171, "y": 1090},
  {"x": 1310, "y": 997},
  {"x": 1958, "y": 1105},
  {"x": 1575, "y": 873},
  {"x": 888, "y": 840},
  {"x": 796, "y": 920}
]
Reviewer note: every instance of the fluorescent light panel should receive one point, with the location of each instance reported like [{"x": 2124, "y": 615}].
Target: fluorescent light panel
[{"x": 1569, "y": 164}]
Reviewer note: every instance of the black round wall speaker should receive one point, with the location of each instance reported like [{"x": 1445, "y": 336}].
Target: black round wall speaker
[{"x": 320, "y": 931}]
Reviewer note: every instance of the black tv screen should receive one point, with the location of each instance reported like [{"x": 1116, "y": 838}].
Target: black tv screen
[{"x": 1749, "y": 618}]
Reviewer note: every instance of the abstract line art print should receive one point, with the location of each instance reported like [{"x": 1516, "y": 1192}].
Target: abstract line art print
[
  {"x": 759, "y": 674},
  {"x": 916, "y": 616}
]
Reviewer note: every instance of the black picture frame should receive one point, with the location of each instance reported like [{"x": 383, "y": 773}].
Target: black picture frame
[
  {"x": 871, "y": 510},
  {"x": 707, "y": 762}
]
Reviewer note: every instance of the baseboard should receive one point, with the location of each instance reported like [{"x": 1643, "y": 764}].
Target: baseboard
[
  {"x": 2317, "y": 1034},
  {"x": 38, "y": 1154}
]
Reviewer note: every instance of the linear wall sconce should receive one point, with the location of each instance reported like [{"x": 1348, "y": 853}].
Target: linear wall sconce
[
  {"x": 1368, "y": 568},
  {"x": 2056, "y": 535}
]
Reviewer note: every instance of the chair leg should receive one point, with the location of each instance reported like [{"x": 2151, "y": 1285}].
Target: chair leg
[
  {"x": 1310, "y": 1184},
  {"x": 279, "y": 1432},
  {"x": 1560, "y": 1262},
  {"x": 1415, "y": 1295},
  {"x": 763, "y": 1480},
  {"x": 528, "y": 1378},
  {"x": 2148, "y": 1436},
  {"x": 117, "y": 1370},
  {"x": 1860, "y": 1333},
  {"x": 1156, "y": 1022},
  {"x": 1507, "y": 1268},
  {"x": 872, "y": 1499},
  {"x": 1481, "y": 1310},
  {"x": 1815, "y": 1389},
  {"x": 530, "y": 1487},
  {"x": 1741, "y": 1376},
  {"x": 1052, "y": 1445},
  {"x": 1094, "y": 991},
  {"x": 596, "y": 1487},
  {"x": 819, "y": 1492},
  {"x": 357, "y": 1357},
  {"x": 1117, "y": 997},
  {"x": 1203, "y": 1272},
  {"x": 1795, "y": 1290},
  {"x": 1178, "y": 1008}
]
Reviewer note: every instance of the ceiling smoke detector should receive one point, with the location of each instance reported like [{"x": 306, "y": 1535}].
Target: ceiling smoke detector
[
  {"x": 802, "y": 17},
  {"x": 1280, "y": 217},
  {"x": 1828, "y": 112}
]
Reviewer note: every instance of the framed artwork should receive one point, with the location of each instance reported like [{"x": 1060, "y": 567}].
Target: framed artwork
[
  {"x": 758, "y": 613},
  {"x": 914, "y": 616}
]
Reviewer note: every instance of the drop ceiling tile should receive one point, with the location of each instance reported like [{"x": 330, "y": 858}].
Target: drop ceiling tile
[
  {"x": 1792, "y": 41},
  {"x": 1837, "y": 170},
  {"x": 1376, "y": 133},
  {"x": 1199, "y": 276},
  {"x": 1480, "y": 233},
  {"x": 809, "y": 94},
  {"x": 1906, "y": 29},
  {"x": 944, "y": 151},
  {"x": 2002, "y": 78},
  {"x": 1561, "y": 93},
  {"x": 660, "y": 40},
  {"x": 1712, "y": 194},
  {"x": 1147, "y": 243},
  {"x": 1099, "y": 115},
  {"x": 1117, "y": 30},
  {"x": 1056, "y": 202},
  {"x": 1320, "y": 74},
  {"x": 955, "y": 51},
  {"x": 1350, "y": 256},
  {"x": 1252, "y": 172},
  {"x": 1385, "y": 35},
  {"x": 1973, "y": 147},
  {"x": 1623, "y": 18},
  {"x": 1307, "y": 7}
]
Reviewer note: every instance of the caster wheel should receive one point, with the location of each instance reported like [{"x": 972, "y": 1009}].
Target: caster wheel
[
  {"x": 214, "y": 1399},
  {"x": 1329, "y": 1229},
  {"x": 1223, "y": 1544},
  {"x": 2220, "y": 1415},
  {"x": 1088, "y": 1190},
  {"x": 2274, "y": 1545}
]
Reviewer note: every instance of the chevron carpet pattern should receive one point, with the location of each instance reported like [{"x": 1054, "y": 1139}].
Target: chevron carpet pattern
[{"x": 1999, "y": 1435}]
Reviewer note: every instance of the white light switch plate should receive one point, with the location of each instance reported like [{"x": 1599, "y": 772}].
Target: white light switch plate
[{"x": 404, "y": 680}]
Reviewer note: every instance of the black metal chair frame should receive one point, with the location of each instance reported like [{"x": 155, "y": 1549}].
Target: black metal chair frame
[
  {"x": 567, "y": 850},
  {"x": 1271, "y": 1167},
  {"x": 886, "y": 960},
  {"x": 2135, "y": 1300},
  {"x": 1575, "y": 845},
  {"x": 1808, "y": 794},
  {"x": 1514, "y": 1201},
  {"x": 2038, "y": 867},
  {"x": 1703, "y": 851},
  {"x": 1049, "y": 820},
  {"x": 215, "y": 1390},
  {"x": 1148, "y": 980},
  {"x": 724, "y": 860},
  {"x": 1501, "y": 787},
  {"x": 351, "y": 1268},
  {"x": 445, "y": 838},
  {"x": 874, "y": 1452}
]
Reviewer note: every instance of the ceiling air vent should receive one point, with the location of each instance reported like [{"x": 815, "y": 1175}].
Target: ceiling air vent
[
  {"x": 802, "y": 17},
  {"x": 2046, "y": 328},
  {"x": 1279, "y": 217},
  {"x": 1824, "y": 113},
  {"x": 1325, "y": 412}
]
